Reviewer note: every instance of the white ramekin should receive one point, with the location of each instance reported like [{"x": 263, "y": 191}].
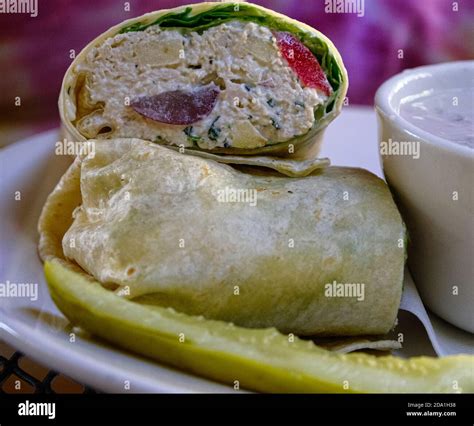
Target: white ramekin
[{"x": 435, "y": 193}]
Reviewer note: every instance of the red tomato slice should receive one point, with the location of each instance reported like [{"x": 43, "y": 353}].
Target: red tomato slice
[{"x": 303, "y": 62}]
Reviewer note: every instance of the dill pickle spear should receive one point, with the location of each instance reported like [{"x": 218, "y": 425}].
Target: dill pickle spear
[{"x": 259, "y": 359}]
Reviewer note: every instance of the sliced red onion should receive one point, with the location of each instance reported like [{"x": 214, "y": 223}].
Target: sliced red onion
[{"x": 178, "y": 106}]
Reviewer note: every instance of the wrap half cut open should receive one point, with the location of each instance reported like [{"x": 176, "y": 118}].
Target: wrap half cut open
[
  {"x": 320, "y": 255},
  {"x": 221, "y": 78}
]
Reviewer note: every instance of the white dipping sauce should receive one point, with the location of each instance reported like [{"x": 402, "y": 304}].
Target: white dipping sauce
[{"x": 448, "y": 114}]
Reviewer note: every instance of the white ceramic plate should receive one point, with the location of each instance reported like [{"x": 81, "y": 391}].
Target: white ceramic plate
[{"x": 38, "y": 329}]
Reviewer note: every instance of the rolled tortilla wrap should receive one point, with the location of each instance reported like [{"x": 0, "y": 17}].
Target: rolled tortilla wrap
[
  {"x": 226, "y": 78},
  {"x": 317, "y": 255}
]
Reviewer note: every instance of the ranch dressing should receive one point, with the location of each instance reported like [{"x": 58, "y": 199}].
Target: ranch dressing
[{"x": 448, "y": 114}]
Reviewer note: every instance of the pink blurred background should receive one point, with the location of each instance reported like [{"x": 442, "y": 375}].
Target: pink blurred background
[{"x": 35, "y": 52}]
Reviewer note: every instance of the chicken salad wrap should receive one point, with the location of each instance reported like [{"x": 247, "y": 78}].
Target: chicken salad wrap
[
  {"x": 257, "y": 250},
  {"x": 156, "y": 252},
  {"x": 222, "y": 78}
]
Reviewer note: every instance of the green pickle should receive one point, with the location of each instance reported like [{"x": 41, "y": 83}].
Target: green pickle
[{"x": 258, "y": 359}]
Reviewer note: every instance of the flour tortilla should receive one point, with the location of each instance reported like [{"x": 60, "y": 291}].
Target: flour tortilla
[{"x": 154, "y": 226}]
